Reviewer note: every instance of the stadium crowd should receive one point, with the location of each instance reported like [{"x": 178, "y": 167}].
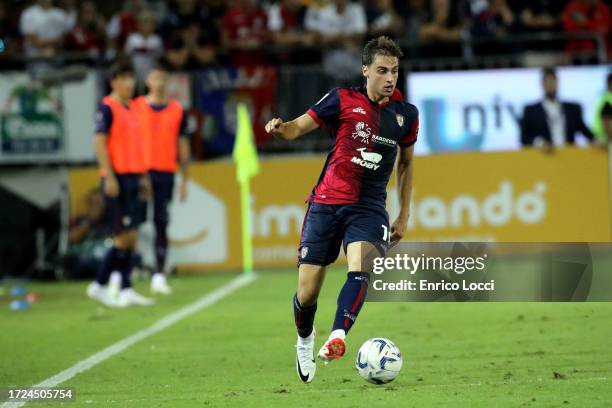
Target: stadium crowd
[{"x": 194, "y": 33}]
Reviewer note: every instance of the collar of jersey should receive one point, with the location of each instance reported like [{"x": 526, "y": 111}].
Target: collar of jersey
[{"x": 396, "y": 96}]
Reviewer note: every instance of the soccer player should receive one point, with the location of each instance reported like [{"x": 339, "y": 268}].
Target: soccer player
[
  {"x": 120, "y": 153},
  {"x": 369, "y": 125},
  {"x": 164, "y": 127}
]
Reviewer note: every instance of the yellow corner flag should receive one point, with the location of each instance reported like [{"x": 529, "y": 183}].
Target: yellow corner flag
[
  {"x": 247, "y": 166},
  {"x": 245, "y": 153}
]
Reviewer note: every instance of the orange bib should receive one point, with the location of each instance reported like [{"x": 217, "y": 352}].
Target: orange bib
[
  {"x": 161, "y": 133},
  {"x": 125, "y": 140}
]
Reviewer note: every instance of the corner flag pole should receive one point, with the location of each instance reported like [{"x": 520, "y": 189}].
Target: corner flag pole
[{"x": 247, "y": 166}]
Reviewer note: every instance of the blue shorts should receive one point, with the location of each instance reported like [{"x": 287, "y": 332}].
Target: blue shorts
[
  {"x": 162, "y": 184},
  {"x": 123, "y": 212},
  {"x": 327, "y": 226}
]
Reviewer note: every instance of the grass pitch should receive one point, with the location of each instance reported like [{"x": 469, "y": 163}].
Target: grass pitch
[{"x": 240, "y": 351}]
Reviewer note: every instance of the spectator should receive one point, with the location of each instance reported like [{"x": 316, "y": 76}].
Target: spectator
[
  {"x": 122, "y": 24},
  {"x": 286, "y": 23},
  {"x": 341, "y": 27},
  {"x": 44, "y": 27},
  {"x": 444, "y": 23},
  {"x": 144, "y": 46},
  {"x": 491, "y": 18},
  {"x": 244, "y": 32},
  {"x": 383, "y": 19},
  {"x": 181, "y": 14},
  {"x": 9, "y": 33},
  {"x": 87, "y": 236},
  {"x": 190, "y": 48},
  {"x": 586, "y": 16},
  {"x": 414, "y": 14},
  {"x": 602, "y": 127},
  {"x": 537, "y": 15},
  {"x": 88, "y": 35},
  {"x": 552, "y": 123}
]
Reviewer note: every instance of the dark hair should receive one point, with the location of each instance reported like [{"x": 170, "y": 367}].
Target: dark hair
[
  {"x": 382, "y": 45},
  {"x": 160, "y": 66},
  {"x": 549, "y": 71},
  {"x": 121, "y": 68}
]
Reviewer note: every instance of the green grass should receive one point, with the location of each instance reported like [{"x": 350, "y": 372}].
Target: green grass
[{"x": 240, "y": 352}]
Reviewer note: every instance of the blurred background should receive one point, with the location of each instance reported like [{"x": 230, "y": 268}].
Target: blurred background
[{"x": 484, "y": 169}]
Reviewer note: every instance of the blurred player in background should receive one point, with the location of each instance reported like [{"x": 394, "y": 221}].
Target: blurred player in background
[
  {"x": 602, "y": 126},
  {"x": 347, "y": 206},
  {"x": 120, "y": 153},
  {"x": 164, "y": 126}
]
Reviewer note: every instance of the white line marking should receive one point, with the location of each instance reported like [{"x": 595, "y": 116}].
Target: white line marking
[{"x": 205, "y": 301}]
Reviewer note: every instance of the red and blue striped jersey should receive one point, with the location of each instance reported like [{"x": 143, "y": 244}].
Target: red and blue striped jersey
[{"x": 366, "y": 139}]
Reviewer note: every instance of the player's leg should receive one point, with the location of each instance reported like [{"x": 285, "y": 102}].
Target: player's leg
[
  {"x": 163, "y": 186},
  {"x": 131, "y": 205},
  {"x": 100, "y": 289},
  {"x": 365, "y": 237},
  {"x": 319, "y": 246}
]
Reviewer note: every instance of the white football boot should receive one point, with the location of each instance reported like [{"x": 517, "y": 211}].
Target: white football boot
[
  {"x": 129, "y": 297},
  {"x": 101, "y": 294},
  {"x": 305, "y": 363},
  {"x": 159, "y": 284}
]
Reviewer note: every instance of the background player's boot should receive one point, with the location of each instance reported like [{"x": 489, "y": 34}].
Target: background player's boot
[
  {"x": 159, "y": 284},
  {"x": 129, "y": 297},
  {"x": 101, "y": 294},
  {"x": 334, "y": 347},
  {"x": 305, "y": 363}
]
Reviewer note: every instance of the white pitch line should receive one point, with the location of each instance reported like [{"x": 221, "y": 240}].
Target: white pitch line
[{"x": 205, "y": 301}]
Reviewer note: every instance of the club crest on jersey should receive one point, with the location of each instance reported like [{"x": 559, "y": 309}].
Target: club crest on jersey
[
  {"x": 400, "y": 119},
  {"x": 363, "y": 131}
]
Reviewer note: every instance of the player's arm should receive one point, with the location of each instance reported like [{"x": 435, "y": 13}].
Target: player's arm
[
  {"x": 184, "y": 160},
  {"x": 293, "y": 129},
  {"x": 404, "y": 185},
  {"x": 104, "y": 120},
  {"x": 111, "y": 187}
]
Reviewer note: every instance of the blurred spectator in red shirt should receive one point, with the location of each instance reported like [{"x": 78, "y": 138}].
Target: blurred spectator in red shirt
[
  {"x": 586, "y": 16},
  {"x": 88, "y": 35},
  {"x": 383, "y": 19},
  {"x": 44, "y": 26},
  {"x": 244, "y": 30},
  {"x": 190, "y": 48},
  {"x": 122, "y": 24}
]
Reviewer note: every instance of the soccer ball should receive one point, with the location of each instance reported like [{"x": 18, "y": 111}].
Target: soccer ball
[{"x": 379, "y": 361}]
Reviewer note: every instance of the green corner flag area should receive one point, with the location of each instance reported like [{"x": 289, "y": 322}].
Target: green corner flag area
[{"x": 238, "y": 350}]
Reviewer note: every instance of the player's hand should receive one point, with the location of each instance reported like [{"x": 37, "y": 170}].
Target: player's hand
[
  {"x": 145, "y": 187},
  {"x": 398, "y": 229},
  {"x": 275, "y": 127},
  {"x": 183, "y": 191},
  {"x": 111, "y": 186}
]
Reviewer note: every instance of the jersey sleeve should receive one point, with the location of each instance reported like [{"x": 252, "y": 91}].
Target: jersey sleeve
[
  {"x": 327, "y": 110},
  {"x": 411, "y": 137},
  {"x": 104, "y": 118}
]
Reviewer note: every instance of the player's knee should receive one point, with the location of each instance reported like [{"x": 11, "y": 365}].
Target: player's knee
[{"x": 307, "y": 295}]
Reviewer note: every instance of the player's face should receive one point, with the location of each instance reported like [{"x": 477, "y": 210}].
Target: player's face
[
  {"x": 156, "y": 81},
  {"x": 123, "y": 85},
  {"x": 382, "y": 74},
  {"x": 549, "y": 83}
]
